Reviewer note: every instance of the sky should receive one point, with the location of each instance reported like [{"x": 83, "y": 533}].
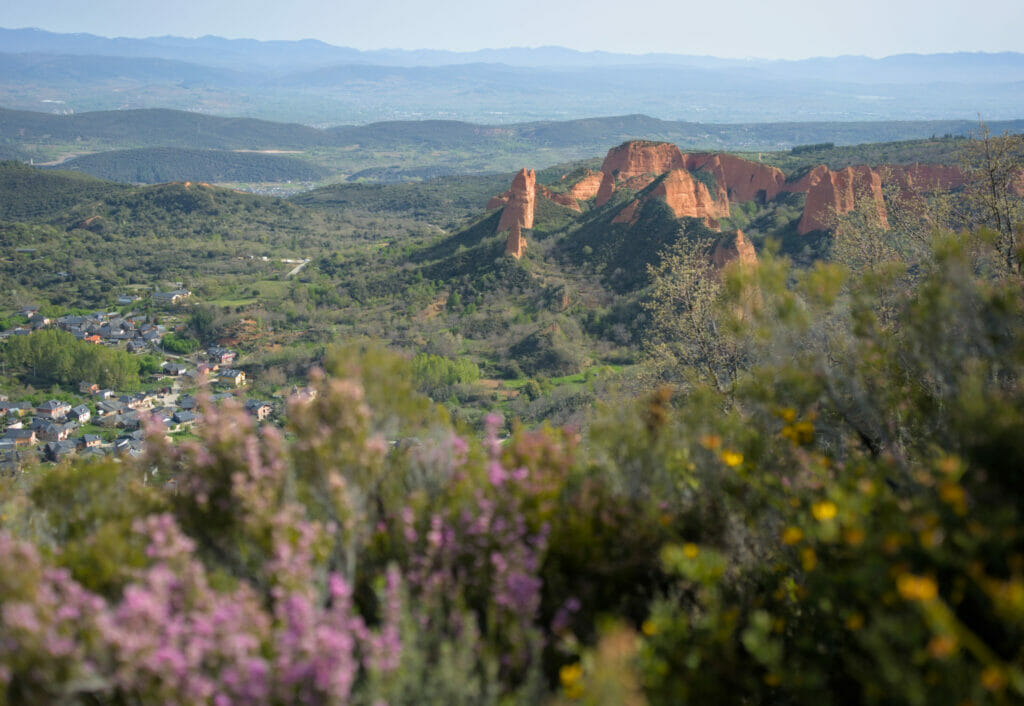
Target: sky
[{"x": 773, "y": 29}]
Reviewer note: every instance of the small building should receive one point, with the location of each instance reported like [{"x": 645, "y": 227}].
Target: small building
[
  {"x": 90, "y": 441},
  {"x": 52, "y": 431},
  {"x": 56, "y": 450},
  {"x": 174, "y": 368},
  {"x": 88, "y": 388},
  {"x": 22, "y": 437},
  {"x": 260, "y": 410},
  {"x": 221, "y": 356},
  {"x": 184, "y": 418},
  {"x": 175, "y": 296},
  {"x": 53, "y": 409},
  {"x": 80, "y": 414},
  {"x": 231, "y": 376}
]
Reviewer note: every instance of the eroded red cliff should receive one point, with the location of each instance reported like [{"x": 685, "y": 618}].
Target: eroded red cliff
[
  {"x": 587, "y": 187},
  {"x": 740, "y": 179},
  {"x": 836, "y": 193},
  {"x": 688, "y": 197}
]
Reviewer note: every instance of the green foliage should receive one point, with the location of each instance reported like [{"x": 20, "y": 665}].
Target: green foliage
[
  {"x": 89, "y": 510},
  {"x": 51, "y": 356},
  {"x": 182, "y": 345},
  {"x": 433, "y": 373},
  {"x": 27, "y": 193}
]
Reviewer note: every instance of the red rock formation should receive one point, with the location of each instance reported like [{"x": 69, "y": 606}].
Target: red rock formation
[
  {"x": 688, "y": 197},
  {"x": 521, "y": 201},
  {"x": 518, "y": 212},
  {"x": 808, "y": 180},
  {"x": 733, "y": 246},
  {"x": 587, "y": 187},
  {"x": 606, "y": 189},
  {"x": 837, "y": 193},
  {"x": 639, "y": 157},
  {"x": 561, "y": 198},
  {"x": 515, "y": 244},
  {"x": 740, "y": 179},
  {"x": 915, "y": 178},
  {"x": 498, "y": 201}
]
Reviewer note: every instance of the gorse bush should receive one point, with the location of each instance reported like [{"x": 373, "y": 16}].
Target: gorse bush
[{"x": 837, "y": 520}]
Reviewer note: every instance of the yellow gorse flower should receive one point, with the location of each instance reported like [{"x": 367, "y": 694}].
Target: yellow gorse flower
[
  {"x": 732, "y": 458},
  {"x": 824, "y": 510},
  {"x": 792, "y": 535},
  {"x": 917, "y": 588},
  {"x": 570, "y": 675}
]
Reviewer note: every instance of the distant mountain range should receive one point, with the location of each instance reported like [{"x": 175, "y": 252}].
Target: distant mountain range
[{"x": 318, "y": 84}]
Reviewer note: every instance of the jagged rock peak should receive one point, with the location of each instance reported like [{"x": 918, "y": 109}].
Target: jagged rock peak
[
  {"x": 836, "y": 193},
  {"x": 640, "y": 157},
  {"x": 522, "y": 198}
]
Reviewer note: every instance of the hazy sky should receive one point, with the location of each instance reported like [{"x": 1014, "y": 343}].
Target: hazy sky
[{"x": 735, "y": 28}]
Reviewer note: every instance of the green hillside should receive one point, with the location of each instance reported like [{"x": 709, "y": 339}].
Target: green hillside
[
  {"x": 157, "y": 165},
  {"x": 27, "y": 193}
]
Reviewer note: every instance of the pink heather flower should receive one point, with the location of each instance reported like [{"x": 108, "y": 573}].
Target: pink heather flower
[{"x": 496, "y": 474}]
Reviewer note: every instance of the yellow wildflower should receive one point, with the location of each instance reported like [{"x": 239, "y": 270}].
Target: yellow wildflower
[
  {"x": 570, "y": 675},
  {"x": 792, "y": 535},
  {"x": 732, "y": 458},
  {"x": 649, "y": 628},
  {"x": 917, "y": 588},
  {"x": 690, "y": 550},
  {"x": 824, "y": 510}
]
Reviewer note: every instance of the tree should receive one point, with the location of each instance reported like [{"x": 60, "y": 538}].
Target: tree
[
  {"x": 686, "y": 330},
  {"x": 993, "y": 165}
]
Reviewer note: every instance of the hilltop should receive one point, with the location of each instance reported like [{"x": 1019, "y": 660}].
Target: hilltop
[{"x": 163, "y": 145}]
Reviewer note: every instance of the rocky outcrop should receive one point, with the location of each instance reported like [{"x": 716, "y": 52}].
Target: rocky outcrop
[
  {"x": 805, "y": 182},
  {"x": 587, "y": 187},
  {"x": 733, "y": 247},
  {"x": 688, "y": 197},
  {"x": 518, "y": 212},
  {"x": 515, "y": 244},
  {"x": 560, "y": 197},
  {"x": 739, "y": 179},
  {"x": 605, "y": 190},
  {"x": 522, "y": 198},
  {"x": 639, "y": 157},
  {"x": 498, "y": 201},
  {"x": 835, "y": 193}
]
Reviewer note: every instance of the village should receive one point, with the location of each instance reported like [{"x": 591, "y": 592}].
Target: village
[{"x": 91, "y": 421}]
